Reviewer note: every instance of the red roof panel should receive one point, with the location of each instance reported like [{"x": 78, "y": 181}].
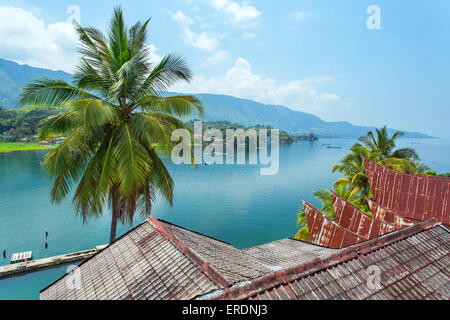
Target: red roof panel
[
  {"x": 387, "y": 215},
  {"x": 412, "y": 196},
  {"x": 325, "y": 232},
  {"x": 353, "y": 219}
]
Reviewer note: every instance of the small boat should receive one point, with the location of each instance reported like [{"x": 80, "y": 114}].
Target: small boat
[{"x": 21, "y": 257}]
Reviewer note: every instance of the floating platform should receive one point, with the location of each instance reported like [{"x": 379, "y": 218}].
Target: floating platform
[
  {"x": 29, "y": 266},
  {"x": 21, "y": 257}
]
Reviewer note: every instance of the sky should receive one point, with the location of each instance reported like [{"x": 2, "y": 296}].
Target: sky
[{"x": 374, "y": 63}]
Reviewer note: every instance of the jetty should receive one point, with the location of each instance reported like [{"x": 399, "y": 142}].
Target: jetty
[{"x": 21, "y": 268}]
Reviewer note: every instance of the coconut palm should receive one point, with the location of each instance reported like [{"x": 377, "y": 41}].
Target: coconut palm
[
  {"x": 117, "y": 121},
  {"x": 379, "y": 147},
  {"x": 354, "y": 175},
  {"x": 382, "y": 146}
]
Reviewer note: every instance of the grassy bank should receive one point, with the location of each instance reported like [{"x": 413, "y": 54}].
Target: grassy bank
[{"x": 20, "y": 146}]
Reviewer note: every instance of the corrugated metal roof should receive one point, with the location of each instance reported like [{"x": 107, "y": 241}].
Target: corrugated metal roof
[
  {"x": 151, "y": 262},
  {"x": 325, "y": 232},
  {"x": 412, "y": 263},
  {"x": 412, "y": 196},
  {"x": 143, "y": 264},
  {"x": 353, "y": 219},
  {"x": 287, "y": 253},
  {"x": 229, "y": 261},
  {"x": 387, "y": 215}
]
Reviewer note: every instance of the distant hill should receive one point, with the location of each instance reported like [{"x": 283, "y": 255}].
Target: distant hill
[
  {"x": 218, "y": 107},
  {"x": 251, "y": 113},
  {"x": 13, "y": 76}
]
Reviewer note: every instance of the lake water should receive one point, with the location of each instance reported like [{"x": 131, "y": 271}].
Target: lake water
[{"x": 232, "y": 203}]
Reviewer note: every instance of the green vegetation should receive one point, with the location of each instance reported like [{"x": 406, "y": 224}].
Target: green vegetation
[
  {"x": 115, "y": 115},
  {"x": 223, "y": 126},
  {"x": 435, "y": 174},
  {"x": 354, "y": 185},
  {"x": 21, "y": 146},
  {"x": 17, "y": 124}
]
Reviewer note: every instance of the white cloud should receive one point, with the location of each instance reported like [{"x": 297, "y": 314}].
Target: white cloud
[
  {"x": 26, "y": 39},
  {"x": 182, "y": 19},
  {"x": 203, "y": 40},
  {"x": 239, "y": 13},
  {"x": 300, "y": 15},
  {"x": 217, "y": 58},
  {"x": 240, "y": 81}
]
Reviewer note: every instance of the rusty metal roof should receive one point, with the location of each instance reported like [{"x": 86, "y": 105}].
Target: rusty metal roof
[
  {"x": 411, "y": 196},
  {"x": 387, "y": 215},
  {"x": 158, "y": 261},
  {"x": 325, "y": 232},
  {"x": 412, "y": 263},
  {"x": 353, "y": 219},
  {"x": 287, "y": 253}
]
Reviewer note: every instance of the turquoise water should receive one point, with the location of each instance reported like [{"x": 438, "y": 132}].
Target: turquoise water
[{"x": 232, "y": 203}]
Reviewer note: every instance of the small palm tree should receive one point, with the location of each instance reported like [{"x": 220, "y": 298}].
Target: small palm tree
[
  {"x": 117, "y": 121},
  {"x": 354, "y": 175},
  {"x": 382, "y": 148},
  {"x": 379, "y": 148},
  {"x": 354, "y": 185}
]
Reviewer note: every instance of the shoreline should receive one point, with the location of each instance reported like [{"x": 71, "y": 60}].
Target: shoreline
[{"x": 6, "y": 147}]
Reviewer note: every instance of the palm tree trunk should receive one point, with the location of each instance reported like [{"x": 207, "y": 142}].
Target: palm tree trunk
[{"x": 115, "y": 217}]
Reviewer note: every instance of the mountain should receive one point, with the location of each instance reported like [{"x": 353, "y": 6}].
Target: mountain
[
  {"x": 13, "y": 76},
  {"x": 218, "y": 107},
  {"x": 250, "y": 113}
]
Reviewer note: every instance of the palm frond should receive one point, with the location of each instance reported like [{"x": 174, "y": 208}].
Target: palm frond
[{"x": 55, "y": 93}]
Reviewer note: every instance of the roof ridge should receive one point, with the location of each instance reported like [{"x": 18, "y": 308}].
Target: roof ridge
[
  {"x": 195, "y": 232},
  {"x": 367, "y": 160},
  {"x": 360, "y": 211},
  {"x": 331, "y": 221},
  {"x": 210, "y": 271},
  {"x": 247, "y": 289}
]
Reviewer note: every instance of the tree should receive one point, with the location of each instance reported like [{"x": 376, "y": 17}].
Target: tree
[
  {"x": 354, "y": 175},
  {"x": 117, "y": 121},
  {"x": 354, "y": 186},
  {"x": 381, "y": 148}
]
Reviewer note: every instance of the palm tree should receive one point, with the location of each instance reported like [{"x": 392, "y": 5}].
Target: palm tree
[
  {"x": 354, "y": 175},
  {"x": 382, "y": 150},
  {"x": 354, "y": 185},
  {"x": 379, "y": 148},
  {"x": 117, "y": 121}
]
